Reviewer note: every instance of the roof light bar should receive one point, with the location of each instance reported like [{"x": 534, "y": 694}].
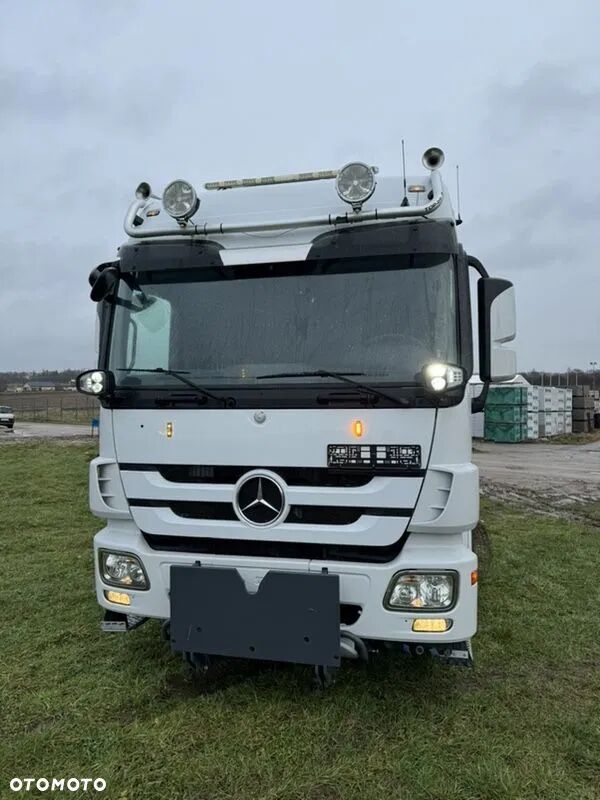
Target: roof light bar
[
  {"x": 271, "y": 180},
  {"x": 432, "y": 158}
]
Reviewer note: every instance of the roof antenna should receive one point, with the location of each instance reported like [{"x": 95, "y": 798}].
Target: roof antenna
[
  {"x": 458, "y": 220},
  {"x": 405, "y": 202}
]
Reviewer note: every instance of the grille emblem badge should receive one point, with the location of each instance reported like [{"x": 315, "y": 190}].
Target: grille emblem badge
[{"x": 259, "y": 500}]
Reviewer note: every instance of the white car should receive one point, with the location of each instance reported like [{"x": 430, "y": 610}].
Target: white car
[{"x": 7, "y": 417}]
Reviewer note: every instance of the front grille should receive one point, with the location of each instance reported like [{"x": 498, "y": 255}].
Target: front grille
[
  {"x": 193, "y": 510},
  {"x": 293, "y": 476},
  {"x": 297, "y": 515},
  {"x": 262, "y": 549}
]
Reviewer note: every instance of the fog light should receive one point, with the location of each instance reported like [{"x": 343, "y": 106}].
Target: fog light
[
  {"x": 121, "y": 598},
  {"x": 121, "y": 569},
  {"x": 431, "y": 625},
  {"x": 416, "y": 591}
]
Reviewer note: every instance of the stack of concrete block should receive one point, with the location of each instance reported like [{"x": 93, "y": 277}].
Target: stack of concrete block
[
  {"x": 555, "y": 406},
  {"x": 533, "y": 405},
  {"x": 596, "y": 395},
  {"x": 583, "y": 409},
  {"x": 568, "y": 410},
  {"x": 506, "y": 414}
]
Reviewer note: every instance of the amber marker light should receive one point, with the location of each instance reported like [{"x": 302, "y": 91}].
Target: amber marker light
[
  {"x": 474, "y": 577},
  {"x": 169, "y": 430},
  {"x": 431, "y": 625},
  {"x": 358, "y": 428},
  {"x": 122, "y": 598}
]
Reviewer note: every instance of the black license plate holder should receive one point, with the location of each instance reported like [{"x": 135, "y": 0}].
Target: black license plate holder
[{"x": 293, "y": 616}]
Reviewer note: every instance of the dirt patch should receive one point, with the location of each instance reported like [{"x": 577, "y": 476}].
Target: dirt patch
[{"x": 559, "y": 480}]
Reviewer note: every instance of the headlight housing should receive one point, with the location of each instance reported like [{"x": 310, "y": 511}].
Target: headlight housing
[
  {"x": 95, "y": 382},
  {"x": 180, "y": 200},
  {"x": 122, "y": 569},
  {"x": 422, "y": 591},
  {"x": 439, "y": 377}
]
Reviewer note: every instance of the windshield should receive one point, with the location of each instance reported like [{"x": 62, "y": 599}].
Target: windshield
[
  {"x": 5, "y": 410},
  {"x": 379, "y": 317}
]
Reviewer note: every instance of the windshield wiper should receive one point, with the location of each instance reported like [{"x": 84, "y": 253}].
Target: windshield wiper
[
  {"x": 180, "y": 375},
  {"x": 341, "y": 376}
]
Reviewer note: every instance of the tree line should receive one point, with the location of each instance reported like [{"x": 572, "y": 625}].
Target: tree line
[{"x": 57, "y": 376}]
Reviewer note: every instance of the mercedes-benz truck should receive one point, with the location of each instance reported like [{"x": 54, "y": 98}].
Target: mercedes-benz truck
[{"x": 285, "y": 466}]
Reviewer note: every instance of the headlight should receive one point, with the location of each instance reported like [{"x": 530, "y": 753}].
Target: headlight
[
  {"x": 355, "y": 183},
  {"x": 180, "y": 200},
  {"x": 421, "y": 591},
  {"x": 121, "y": 569},
  {"x": 439, "y": 377},
  {"x": 94, "y": 382}
]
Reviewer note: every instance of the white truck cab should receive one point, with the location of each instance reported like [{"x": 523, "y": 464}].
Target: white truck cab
[{"x": 285, "y": 449}]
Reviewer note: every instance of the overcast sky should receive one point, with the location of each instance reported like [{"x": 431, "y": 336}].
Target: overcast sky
[{"x": 95, "y": 97}]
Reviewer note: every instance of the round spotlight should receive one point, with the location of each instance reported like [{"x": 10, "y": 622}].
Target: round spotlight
[
  {"x": 180, "y": 200},
  {"x": 143, "y": 191},
  {"x": 355, "y": 183},
  {"x": 433, "y": 158}
]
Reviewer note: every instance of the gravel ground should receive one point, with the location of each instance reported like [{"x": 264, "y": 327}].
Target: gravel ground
[
  {"x": 554, "y": 478},
  {"x": 44, "y": 430}
]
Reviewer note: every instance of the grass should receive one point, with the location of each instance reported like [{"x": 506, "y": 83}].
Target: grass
[{"x": 523, "y": 724}]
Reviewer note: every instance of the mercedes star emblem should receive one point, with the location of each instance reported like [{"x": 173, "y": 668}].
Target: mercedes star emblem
[{"x": 259, "y": 500}]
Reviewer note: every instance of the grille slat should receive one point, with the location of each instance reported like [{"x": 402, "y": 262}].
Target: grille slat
[
  {"x": 300, "y": 515},
  {"x": 269, "y": 549},
  {"x": 293, "y": 476}
]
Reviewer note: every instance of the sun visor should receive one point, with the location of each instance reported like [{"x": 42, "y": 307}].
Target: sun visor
[{"x": 265, "y": 255}]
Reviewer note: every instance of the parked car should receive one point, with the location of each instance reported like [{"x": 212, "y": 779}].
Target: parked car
[{"x": 7, "y": 417}]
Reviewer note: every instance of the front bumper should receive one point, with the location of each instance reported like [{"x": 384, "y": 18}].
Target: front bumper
[{"x": 360, "y": 584}]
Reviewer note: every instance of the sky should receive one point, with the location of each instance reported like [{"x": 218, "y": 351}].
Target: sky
[{"x": 95, "y": 97}]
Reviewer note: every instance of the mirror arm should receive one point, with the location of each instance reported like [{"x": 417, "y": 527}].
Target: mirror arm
[
  {"x": 476, "y": 264},
  {"x": 478, "y": 403}
]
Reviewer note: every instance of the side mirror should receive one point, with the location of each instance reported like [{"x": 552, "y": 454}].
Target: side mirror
[
  {"x": 103, "y": 280},
  {"x": 497, "y": 325}
]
